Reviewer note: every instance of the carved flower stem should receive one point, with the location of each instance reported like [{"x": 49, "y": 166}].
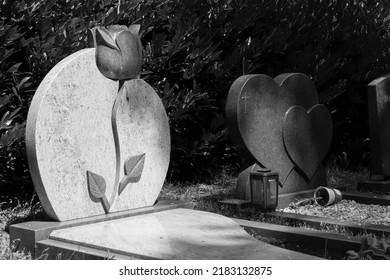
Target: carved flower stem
[
  {"x": 121, "y": 91},
  {"x": 106, "y": 204},
  {"x": 118, "y": 57}
]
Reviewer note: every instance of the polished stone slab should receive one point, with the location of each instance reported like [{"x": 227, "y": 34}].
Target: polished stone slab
[
  {"x": 174, "y": 234},
  {"x": 26, "y": 236}
]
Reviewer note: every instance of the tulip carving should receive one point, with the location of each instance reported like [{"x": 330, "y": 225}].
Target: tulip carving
[
  {"x": 118, "y": 50},
  {"x": 118, "y": 57}
]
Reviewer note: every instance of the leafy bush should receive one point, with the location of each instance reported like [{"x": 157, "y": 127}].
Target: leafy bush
[
  {"x": 35, "y": 35},
  {"x": 196, "y": 49},
  {"x": 193, "y": 51}
]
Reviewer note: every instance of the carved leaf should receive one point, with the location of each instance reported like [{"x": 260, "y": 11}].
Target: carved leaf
[
  {"x": 134, "y": 165},
  {"x": 96, "y": 185},
  {"x": 124, "y": 182},
  {"x": 133, "y": 171}
]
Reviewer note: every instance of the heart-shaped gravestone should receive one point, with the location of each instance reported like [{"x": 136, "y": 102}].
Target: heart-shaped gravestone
[
  {"x": 307, "y": 136},
  {"x": 255, "y": 110},
  {"x": 95, "y": 145}
]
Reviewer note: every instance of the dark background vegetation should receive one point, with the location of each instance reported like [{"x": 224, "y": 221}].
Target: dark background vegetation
[{"x": 193, "y": 51}]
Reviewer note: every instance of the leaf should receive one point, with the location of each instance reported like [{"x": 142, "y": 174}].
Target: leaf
[
  {"x": 14, "y": 68},
  {"x": 96, "y": 185},
  {"x": 134, "y": 165},
  {"x": 124, "y": 182},
  {"x": 133, "y": 171}
]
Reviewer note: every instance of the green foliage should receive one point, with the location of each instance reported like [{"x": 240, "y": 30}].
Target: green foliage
[{"x": 193, "y": 51}]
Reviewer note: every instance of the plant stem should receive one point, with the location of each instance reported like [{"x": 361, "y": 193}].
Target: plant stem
[{"x": 106, "y": 204}]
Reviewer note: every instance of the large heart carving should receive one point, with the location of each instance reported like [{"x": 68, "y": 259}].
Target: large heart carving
[
  {"x": 255, "y": 109},
  {"x": 307, "y": 136}
]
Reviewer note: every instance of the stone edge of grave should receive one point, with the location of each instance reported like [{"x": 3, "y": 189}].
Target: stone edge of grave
[
  {"x": 334, "y": 242},
  {"x": 283, "y": 199},
  {"x": 380, "y": 186},
  {"x": 321, "y": 223},
  {"x": 25, "y": 236},
  {"x": 363, "y": 198},
  {"x": 55, "y": 249}
]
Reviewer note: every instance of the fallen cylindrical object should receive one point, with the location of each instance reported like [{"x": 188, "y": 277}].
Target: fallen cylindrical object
[{"x": 327, "y": 196}]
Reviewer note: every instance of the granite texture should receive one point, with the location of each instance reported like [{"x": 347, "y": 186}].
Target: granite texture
[
  {"x": 174, "y": 234},
  {"x": 307, "y": 136},
  {"x": 78, "y": 122},
  {"x": 378, "y": 93},
  {"x": 255, "y": 112}
]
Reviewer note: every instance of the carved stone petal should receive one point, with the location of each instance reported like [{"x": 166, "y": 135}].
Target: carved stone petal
[{"x": 118, "y": 51}]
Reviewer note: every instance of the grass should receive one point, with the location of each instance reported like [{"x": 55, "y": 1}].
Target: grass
[
  {"x": 9, "y": 214},
  {"x": 337, "y": 177},
  {"x": 204, "y": 195}
]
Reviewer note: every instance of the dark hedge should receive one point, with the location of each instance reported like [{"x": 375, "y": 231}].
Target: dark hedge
[{"x": 193, "y": 51}]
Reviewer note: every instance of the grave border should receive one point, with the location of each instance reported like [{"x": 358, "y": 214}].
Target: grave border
[{"x": 25, "y": 236}]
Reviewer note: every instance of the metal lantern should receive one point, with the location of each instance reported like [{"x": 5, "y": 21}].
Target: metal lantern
[{"x": 264, "y": 188}]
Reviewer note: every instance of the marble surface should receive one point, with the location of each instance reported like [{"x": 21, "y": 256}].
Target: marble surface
[
  {"x": 174, "y": 234},
  {"x": 255, "y": 112},
  {"x": 81, "y": 121}
]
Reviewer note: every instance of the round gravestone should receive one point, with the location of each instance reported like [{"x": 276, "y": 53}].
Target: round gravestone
[{"x": 95, "y": 145}]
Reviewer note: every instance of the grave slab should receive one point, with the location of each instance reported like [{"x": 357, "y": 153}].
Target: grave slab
[
  {"x": 26, "y": 235},
  {"x": 173, "y": 234}
]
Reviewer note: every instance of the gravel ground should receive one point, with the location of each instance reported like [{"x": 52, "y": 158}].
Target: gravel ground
[{"x": 346, "y": 210}]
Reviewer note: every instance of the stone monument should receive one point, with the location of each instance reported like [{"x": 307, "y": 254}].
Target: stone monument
[
  {"x": 278, "y": 124},
  {"x": 98, "y": 147},
  {"x": 378, "y": 94},
  {"x": 96, "y": 135}
]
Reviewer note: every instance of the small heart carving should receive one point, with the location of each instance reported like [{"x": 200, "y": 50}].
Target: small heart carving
[{"x": 307, "y": 136}]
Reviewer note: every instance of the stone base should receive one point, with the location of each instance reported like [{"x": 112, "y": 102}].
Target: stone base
[
  {"x": 26, "y": 235},
  {"x": 167, "y": 231},
  {"x": 374, "y": 186}
]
